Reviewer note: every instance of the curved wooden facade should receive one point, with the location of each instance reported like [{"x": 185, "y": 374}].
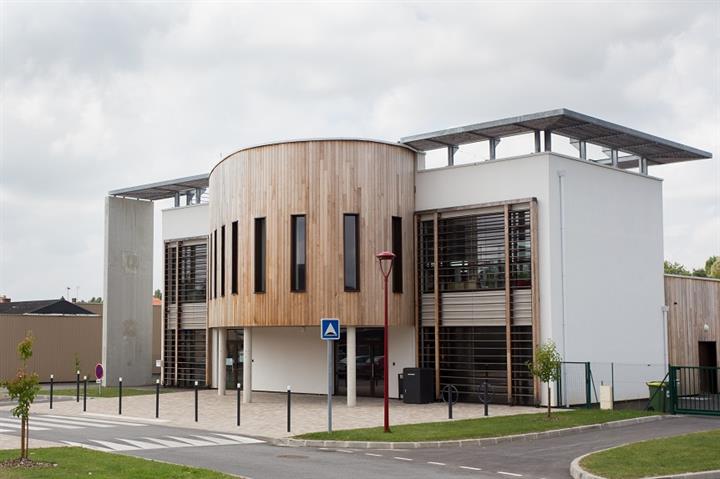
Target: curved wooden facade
[{"x": 322, "y": 179}]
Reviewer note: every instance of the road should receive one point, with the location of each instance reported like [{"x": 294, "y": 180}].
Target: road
[{"x": 250, "y": 457}]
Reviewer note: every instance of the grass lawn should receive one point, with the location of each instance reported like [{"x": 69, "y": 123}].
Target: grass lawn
[
  {"x": 673, "y": 455},
  {"x": 478, "y": 428},
  {"x": 106, "y": 392},
  {"x": 74, "y": 462}
]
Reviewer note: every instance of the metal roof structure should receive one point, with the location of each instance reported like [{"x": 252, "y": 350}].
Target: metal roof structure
[
  {"x": 163, "y": 189},
  {"x": 566, "y": 123}
]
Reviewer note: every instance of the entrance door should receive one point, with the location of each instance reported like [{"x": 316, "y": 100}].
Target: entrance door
[
  {"x": 234, "y": 359},
  {"x": 707, "y": 357},
  {"x": 369, "y": 362}
]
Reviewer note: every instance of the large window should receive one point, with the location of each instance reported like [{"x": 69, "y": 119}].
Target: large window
[
  {"x": 222, "y": 260},
  {"x": 234, "y": 259},
  {"x": 297, "y": 253},
  {"x": 214, "y": 268},
  {"x": 259, "y": 255},
  {"x": 397, "y": 273},
  {"x": 351, "y": 254}
]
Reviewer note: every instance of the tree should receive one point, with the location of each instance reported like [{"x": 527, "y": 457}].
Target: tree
[
  {"x": 158, "y": 294},
  {"x": 676, "y": 268},
  {"x": 699, "y": 273},
  {"x": 715, "y": 269},
  {"x": 546, "y": 367},
  {"x": 709, "y": 264},
  {"x": 24, "y": 387}
]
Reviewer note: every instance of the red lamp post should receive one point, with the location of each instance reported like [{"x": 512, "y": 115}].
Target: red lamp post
[{"x": 385, "y": 260}]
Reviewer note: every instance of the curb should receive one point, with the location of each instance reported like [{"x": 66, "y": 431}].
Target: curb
[
  {"x": 577, "y": 472},
  {"x": 286, "y": 441}
]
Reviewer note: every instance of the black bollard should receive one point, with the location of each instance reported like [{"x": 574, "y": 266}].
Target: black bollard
[
  {"x": 157, "y": 398},
  {"x": 238, "y": 404},
  {"x": 486, "y": 399},
  {"x": 77, "y": 386},
  {"x": 289, "y": 399},
  {"x": 196, "y": 401},
  {"x": 84, "y": 393},
  {"x": 120, "y": 396},
  {"x": 52, "y": 377},
  {"x": 450, "y": 405}
]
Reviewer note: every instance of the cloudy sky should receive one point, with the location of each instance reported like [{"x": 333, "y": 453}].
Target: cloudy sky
[{"x": 102, "y": 95}]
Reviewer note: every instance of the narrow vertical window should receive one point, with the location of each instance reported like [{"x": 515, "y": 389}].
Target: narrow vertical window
[
  {"x": 259, "y": 255},
  {"x": 222, "y": 260},
  {"x": 234, "y": 259},
  {"x": 297, "y": 253},
  {"x": 397, "y": 273},
  {"x": 350, "y": 252},
  {"x": 215, "y": 264}
]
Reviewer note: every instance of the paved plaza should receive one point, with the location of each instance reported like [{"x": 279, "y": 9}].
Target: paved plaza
[{"x": 266, "y": 416}]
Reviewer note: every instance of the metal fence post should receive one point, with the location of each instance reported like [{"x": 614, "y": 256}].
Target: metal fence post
[
  {"x": 52, "y": 377},
  {"x": 77, "y": 386},
  {"x": 120, "y": 396},
  {"x": 558, "y": 400},
  {"x": 84, "y": 393},
  {"x": 486, "y": 400},
  {"x": 673, "y": 389},
  {"x": 289, "y": 397},
  {"x": 588, "y": 394},
  {"x": 238, "y": 404},
  {"x": 157, "y": 398},
  {"x": 612, "y": 384},
  {"x": 196, "y": 401}
]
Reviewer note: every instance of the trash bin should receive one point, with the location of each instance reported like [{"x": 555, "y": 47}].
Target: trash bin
[
  {"x": 418, "y": 385},
  {"x": 658, "y": 391}
]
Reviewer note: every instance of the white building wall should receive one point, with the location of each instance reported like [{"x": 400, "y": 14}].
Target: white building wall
[{"x": 185, "y": 222}]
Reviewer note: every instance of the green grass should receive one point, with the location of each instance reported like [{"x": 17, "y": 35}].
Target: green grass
[
  {"x": 106, "y": 392},
  {"x": 658, "y": 457},
  {"x": 478, "y": 428},
  {"x": 74, "y": 463}
]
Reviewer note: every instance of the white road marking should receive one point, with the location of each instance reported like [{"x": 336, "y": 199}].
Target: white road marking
[
  {"x": 345, "y": 451},
  {"x": 46, "y": 423},
  {"x": 240, "y": 439},
  {"x": 87, "y": 446},
  {"x": 217, "y": 440},
  {"x": 16, "y": 425},
  {"x": 191, "y": 441},
  {"x": 166, "y": 442},
  {"x": 509, "y": 474},
  {"x": 141, "y": 444},
  {"x": 470, "y": 468},
  {"x": 437, "y": 463},
  {"x": 96, "y": 421},
  {"x": 402, "y": 458},
  {"x": 76, "y": 422},
  {"x": 373, "y": 454},
  {"x": 4, "y": 430},
  {"x": 114, "y": 446}
]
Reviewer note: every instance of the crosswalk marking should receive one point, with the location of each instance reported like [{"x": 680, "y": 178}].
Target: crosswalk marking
[
  {"x": 191, "y": 441},
  {"x": 114, "y": 445},
  {"x": 4, "y": 430},
  {"x": 16, "y": 424},
  {"x": 217, "y": 440},
  {"x": 77, "y": 422},
  {"x": 165, "y": 442},
  {"x": 96, "y": 421},
  {"x": 241, "y": 439},
  {"x": 141, "y": 444},
  {"x": 86, "y": 446}
]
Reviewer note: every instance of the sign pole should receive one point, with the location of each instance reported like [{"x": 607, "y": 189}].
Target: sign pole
[{"x": 330, "y": 383}]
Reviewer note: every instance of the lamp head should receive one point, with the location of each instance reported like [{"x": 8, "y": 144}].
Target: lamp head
[{"x": 385, "y": 258}]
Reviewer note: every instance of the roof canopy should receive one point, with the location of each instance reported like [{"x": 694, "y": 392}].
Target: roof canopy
[
  {"x": 565, "y": 123},
  {"x": 163, "y": 189}
]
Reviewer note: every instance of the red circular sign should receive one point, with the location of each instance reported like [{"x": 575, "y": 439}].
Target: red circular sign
[{"x": 99, "y": 371}]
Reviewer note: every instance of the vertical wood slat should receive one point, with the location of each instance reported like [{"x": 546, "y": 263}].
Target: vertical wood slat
[
  {"x": 436, "y": 288},
  {"x": 534, "y": 290},
  {"x": 508, "y": 299},
  {"x": 177, "y": 307}
]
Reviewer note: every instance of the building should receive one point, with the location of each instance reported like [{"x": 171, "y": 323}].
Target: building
[
  {"x": 64, "y": 332},
  {"x": 493, "y": 258}
]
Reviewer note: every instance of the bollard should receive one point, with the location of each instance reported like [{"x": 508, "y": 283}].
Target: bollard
[
  {"x": 289, "y": 398},
  {"x": 84, "y": 393},
  {"x": 52, "y": 377},
  {"x": 157, "y": 398},
  {"x": 450, "y": 394},
  {"x": 77, "y": 386},
  {"x": 450, "y": 409},
  {"x": 196, "y": 401},
  {"x": 486, "y": 400},
  {"x": 238, "y": 404},
  {"x": 120, "y": 396}
]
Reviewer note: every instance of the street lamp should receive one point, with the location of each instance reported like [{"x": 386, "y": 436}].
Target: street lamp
[{"x": 385, "y": 260}]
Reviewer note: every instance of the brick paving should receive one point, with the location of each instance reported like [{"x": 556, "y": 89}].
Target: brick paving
[{"x": 266, "y": 415}]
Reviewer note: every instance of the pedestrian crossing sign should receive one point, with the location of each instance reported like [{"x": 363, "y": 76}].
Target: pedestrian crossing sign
[{"x": 330, "y": 329}]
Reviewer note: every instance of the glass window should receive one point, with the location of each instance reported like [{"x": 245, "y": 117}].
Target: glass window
[
  {"x": 234, "y": 259},
  {"x": 350, "y": 252},
  {"x": 397, "y": 277},
  {"x": 214, "y": 276},
  {"x": 259, "y": 255},
  {"x": 297, "y": 253},
  {"x": 222, "y": 260}
]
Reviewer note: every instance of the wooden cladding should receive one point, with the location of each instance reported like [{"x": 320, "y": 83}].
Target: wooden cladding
[{"x": 320, "y": 181}]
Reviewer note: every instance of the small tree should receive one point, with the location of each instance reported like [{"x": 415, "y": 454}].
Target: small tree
[
  {"x": 24, "y": 387},
  {"x": 546, "y": 366},
  {"x": 158, "y": 294},
  {"x": 675, "y": 268}
]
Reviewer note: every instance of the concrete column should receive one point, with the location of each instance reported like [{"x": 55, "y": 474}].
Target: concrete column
[
  {"x": 247, "y": 365},
  {"x": 351, "y": 367},
  {"x": 221, "y": 355}
]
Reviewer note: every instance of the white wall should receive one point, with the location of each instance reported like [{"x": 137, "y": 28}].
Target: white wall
[
  {"x": 185, "y": 222},
  {"x": 298, "y": 357}
]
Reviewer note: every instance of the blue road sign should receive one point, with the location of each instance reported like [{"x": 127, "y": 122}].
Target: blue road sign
[{"x": 330, "y": 329}]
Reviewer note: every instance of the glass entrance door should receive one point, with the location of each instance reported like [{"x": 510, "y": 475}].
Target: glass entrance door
[
  {"x": 369, "y": 362},
  {"x": 234, "y": 359}
]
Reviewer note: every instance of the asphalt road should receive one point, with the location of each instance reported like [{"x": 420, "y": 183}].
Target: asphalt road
[{"x": 244, "y": 456}]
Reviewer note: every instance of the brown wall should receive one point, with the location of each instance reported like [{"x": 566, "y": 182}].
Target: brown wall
[
  {"x": 692, "y": 302},
  {"x": 323, "y": 180},
  {"x": 57, "y": 339}
]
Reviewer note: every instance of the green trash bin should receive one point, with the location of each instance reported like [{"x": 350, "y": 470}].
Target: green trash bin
[{"x": 658, "y": 396}]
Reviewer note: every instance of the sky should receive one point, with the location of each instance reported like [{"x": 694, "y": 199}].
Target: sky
[{"x": 97, "y": 96}]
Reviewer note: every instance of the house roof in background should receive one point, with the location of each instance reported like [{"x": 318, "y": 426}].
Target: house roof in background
[
  {"x": 163, "y": 189},
  {"x": 44, "y": 306}
]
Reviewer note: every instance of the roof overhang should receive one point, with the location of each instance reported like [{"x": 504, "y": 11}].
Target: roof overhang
[
  {"x": 163, "y": 189},
  {"x": 566, "y": 123}
]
